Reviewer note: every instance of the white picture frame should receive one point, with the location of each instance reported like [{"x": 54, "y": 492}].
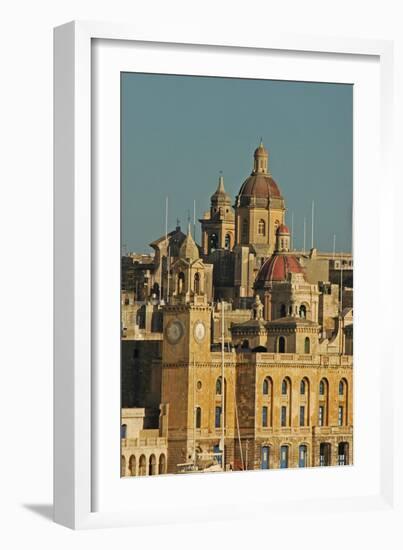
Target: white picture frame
[{"x": 83, "y": 496}]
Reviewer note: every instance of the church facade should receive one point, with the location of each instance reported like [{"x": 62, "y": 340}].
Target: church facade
[{"x": 246, "y": 342}]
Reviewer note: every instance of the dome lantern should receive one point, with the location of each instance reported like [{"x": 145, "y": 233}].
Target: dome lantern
[{"x": 261, "y": 160}]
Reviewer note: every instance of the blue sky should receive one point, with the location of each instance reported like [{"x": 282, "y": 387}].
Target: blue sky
[{"x": 179, "y": 132}]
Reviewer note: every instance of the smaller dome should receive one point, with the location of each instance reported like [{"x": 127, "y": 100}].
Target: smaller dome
[
  {"x": 283, "y": 230},
  {"x": 188, "y": 249},
  {"x": 277, "y": 268}
]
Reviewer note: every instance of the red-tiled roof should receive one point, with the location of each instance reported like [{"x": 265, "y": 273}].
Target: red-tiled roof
[
  {"x": 260, "y": 186},
  {"x": 277, "y": 268},
  {"x": 283, "y": 229}
]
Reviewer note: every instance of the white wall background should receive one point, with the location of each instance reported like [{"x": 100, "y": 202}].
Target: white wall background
[{"x": 26, "y": 251}]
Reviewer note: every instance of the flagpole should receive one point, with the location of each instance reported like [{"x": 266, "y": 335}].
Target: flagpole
[
  {"x": 222, "y": 386},
  {"x": 194, "y": 219},
  {"x": 292, "y": 231},
  {"x": 304, "y": 235},
  {"x": 313, "y": 214},
  {"x": 167, "y": 244}
]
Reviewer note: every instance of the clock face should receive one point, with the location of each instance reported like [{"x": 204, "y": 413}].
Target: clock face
[
  {"x": 199, "y": 331},
  {"x": 174, "y": 331}
]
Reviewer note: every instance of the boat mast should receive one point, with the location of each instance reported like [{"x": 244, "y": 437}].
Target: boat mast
[
  {"x": 222, "y": 387},
  {"x": 194, "y": 413}
]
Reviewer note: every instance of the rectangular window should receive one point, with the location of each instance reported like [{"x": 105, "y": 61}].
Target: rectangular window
[
  {"x": 321, "y": 415},
  {"x": 264, "y": 417},
  {"x": 283, "y": 416},
  {"x": 198, "y": 417},
  {"x": 302, "y": 416},
  {"x": 340, "y": 419},
  {"x": 218, "y": 417}
]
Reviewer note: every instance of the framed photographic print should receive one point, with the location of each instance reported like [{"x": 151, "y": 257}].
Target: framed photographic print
[{"x": 208, "y": 200}]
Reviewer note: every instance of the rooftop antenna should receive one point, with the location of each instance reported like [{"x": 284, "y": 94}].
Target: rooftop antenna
[
  {"x": 304, "y": 235},
  {"x": 194, "y": 219},
  {"x": 223, "y": 404},
  {"x": 313, "y": 215},
  {"x": 167, "y": 244},
  {"x": 292, "y": 231}
]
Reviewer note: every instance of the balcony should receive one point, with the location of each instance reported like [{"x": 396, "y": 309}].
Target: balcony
[
  {"x": 142, "y": 442},
  {"x": 288, "y": 358}
]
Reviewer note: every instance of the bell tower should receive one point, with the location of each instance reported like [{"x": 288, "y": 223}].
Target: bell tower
[
  {"x": 185, "y": 349},
  {"x": 218, "y": 225}
]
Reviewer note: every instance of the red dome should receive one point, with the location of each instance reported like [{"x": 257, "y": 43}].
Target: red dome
[
  {"x": 283, "y": 229},
  {"x": 277, "y": 268},
  {"x": 261, "y": 186}
]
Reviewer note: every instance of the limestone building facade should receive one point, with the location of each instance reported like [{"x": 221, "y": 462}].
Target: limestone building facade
[{"x": 247, "y": 342}]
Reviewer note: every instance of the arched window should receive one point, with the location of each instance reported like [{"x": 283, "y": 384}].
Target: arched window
[
  {"x": 156, "y": 289},
  {"x": 218, "y": 386},
  {"x": 284, "y": 456},
  {"x": 341, "y": 387},
  {"x": 302, "y": 387},
  {"x": 284, "y": 387},
  {"x": 302, "y": 311},
  {"x": 142, "y": 466},
  {"x": 123, "y": 431},
  {"x": 342, "y": 452},
  {"x": 322, "y": 387},
  {"x": 307, "y": 345},
  {"x": 132, "y": 465},
  {"x": 162, "y": 464},
  {"x": 122, "y": 466},
  {"x": 265, "y": 458},
  {"x": 303, "y": 456},
  {"x": 245, "y": 229},
  {"x": 197, "y": 283},
  {"x": 181, "y": 282},
  {"x": 281, "y": 344},
  {"x": 261, "y": 227},
  {"x": 152, "y": 466},
  {"x": 266, "y": 386},
  {"x": 283, "y": 310},
  {"x": 227, "y": 241},
  {"x": 198, "y": 417},
  {"x": 245, "y": 344},
  {"x": 324, "y": 454},
  {"x": 213, "y": 242}
]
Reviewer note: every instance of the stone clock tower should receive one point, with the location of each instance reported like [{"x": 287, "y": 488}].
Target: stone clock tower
[{"x": 186, "y": 347}]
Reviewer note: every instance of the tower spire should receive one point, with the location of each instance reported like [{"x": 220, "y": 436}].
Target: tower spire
[{"x": 220, "y": 188}]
